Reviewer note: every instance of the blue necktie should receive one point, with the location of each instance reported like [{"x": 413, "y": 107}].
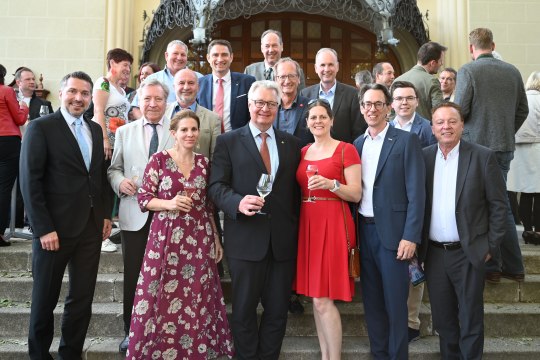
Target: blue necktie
[
  {"x": 154, "y": 141},
  {"x": 83, "y": 145}
]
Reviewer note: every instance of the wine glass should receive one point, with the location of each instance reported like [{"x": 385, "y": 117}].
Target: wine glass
[
  {"x": 135, "y": 172},
  {"x": 189, "y": 190},
  {"x": 311, "y": 170},
  {"x": 264, "y": 187},
  {"x": 43, "y": 110}
]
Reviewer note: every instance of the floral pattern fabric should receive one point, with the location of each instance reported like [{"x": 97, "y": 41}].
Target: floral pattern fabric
[
  {"x": 116, "y": 110},
  {"x": 179, "y": 311}
]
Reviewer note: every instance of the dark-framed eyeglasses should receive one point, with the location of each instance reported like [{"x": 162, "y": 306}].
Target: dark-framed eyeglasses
[
  {"x": 368, "y": 105},
  {"x": 259, "y": 104}
]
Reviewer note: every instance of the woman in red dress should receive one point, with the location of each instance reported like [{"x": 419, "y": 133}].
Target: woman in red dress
[
  {"x": 326, "y": 225},
  {"x": 179, "y": 311}
]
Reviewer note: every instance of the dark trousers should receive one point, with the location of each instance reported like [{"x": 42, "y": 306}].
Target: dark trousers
[
  {"x": 10, "y": 150},
  {"x": 457, "y": 305},
  {"x": 529, "y": 209},
  {"x": 270, "y": 282},
  {"x": 81, "y": 255},
  {"x": 133, "y": 248},
  {"x": 385, "y": 289}
]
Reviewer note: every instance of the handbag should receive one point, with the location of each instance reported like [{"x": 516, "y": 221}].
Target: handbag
[{"x": 353, "y": 252}]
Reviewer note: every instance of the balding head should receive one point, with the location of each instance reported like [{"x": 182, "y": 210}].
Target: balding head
[{"x": 186, "y": 86}]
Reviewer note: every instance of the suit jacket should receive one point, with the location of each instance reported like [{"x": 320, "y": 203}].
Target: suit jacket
[
  {"x": 301, "y": 131},
  {"x": 209, "y": 128},
  {"x": 348, "y": 120},
  {"x": 493, "y": 101},
  {"x": 240, "y": 84},
  {"x": 58, "y": 191},
  {"x": 422, "y": 128},
  {"x": 35, "y": 106},
  {"x": 399, "y": 188},
  {"x": 257, "y": 71},
  {"x": 129, "y": 151},
  {"x": 428, "y": 89},
  {"x": 481, "y": 204},
  {"x": 236, "y": 168}
]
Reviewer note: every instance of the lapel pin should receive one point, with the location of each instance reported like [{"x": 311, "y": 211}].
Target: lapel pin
[{"x": 390, "y": 139}]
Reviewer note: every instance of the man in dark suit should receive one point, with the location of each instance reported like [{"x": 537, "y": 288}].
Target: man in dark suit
[
  {"x": 391, "y": 215},
  {"x": 293, "y": 110},
  {"x": 67, "y": 198},
  {"x": 494, "y": 104},
  {"x": 260, "y": 247},
  {"x": 231, "y": 87},
  {"x": 26, "y": 83},
  {"x": 465, "y": 222},
  {"x": 348, "y": 121}
]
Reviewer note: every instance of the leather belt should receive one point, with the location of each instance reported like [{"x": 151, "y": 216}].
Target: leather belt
[
  {"x": 367, "y": 219},
  {"x": 316, "y": 198},
  {"x": 446, "y": 245}
]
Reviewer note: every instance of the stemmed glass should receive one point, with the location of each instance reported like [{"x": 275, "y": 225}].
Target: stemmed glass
[
  {"x": 43, "y": 110},
  {"x": 311, "y": 170},
  {"x": 264, "y": 187},
  {"x": 189, "y": 190},
  {"x": 136, "y": 173}
]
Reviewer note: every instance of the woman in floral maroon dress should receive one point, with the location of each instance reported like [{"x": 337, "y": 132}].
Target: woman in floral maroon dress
[{"x": 179, "y": 311}]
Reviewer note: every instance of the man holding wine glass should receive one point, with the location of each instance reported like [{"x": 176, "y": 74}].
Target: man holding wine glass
[
  {"x": 134, "y": 144},
  {"x": 26, "y": 82},
  {"x": 260, "y": 247}
]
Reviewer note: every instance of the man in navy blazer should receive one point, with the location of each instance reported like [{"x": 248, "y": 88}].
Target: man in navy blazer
[
  {"x": 67, "y": 198},
  {"x": 391, "y": 215},
  {"x": 234, "y": 113},
  {"x": 343, "y": 98}
]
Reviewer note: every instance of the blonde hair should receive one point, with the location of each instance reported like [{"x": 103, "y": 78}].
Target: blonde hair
[{"x": 533, "y": 82}]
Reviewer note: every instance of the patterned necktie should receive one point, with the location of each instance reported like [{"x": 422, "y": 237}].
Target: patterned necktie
[
  {"x": 154, "y": 141},
  {"x": 218, "y": 108},
  {"x": 265, "y": 154},
  {"x": 268, "y": 74},
  {"x": 83, "y": 145}
]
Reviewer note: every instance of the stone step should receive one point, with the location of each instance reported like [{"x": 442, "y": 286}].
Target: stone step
[
  {"x": 18, "y": 257},
  {"x": 17, "y": 287},
  {"x": 508, "y": 320},
  {"x": 303, "y": 348}
]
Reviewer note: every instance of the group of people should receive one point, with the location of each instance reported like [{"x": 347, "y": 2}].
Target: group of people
[{"x": 343, "y": 175}]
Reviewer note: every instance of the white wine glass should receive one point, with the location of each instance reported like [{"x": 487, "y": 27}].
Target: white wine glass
[
  {"x": 43, "y": 110},
  {"x": 135, "y": 173},
  {"x": 311, "y": 170},
  {"x": 264, "y": 187}
]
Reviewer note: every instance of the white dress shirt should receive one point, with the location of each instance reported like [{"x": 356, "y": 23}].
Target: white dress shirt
[
  {"x": 149, "y": 131},
  {"x": 370, "y": 160},
  {"x": 270, "y": 142},
  {"x": 226, "y": 99},
  {"x": 407, "y": 126},
  {"x": 443, "y": 226}
]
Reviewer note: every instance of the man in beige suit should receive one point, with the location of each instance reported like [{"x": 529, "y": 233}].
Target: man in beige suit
[
  {"x": 134, "y": 144},
  {"x": 186, "y": 87}
]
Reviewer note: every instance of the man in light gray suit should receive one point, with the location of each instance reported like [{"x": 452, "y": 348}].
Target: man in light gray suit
[
  {"x": 134, "y": 144},
  {"x": 494, "y": 104},
  {"x": 271, "y": 48},
  {"x": 465, "y": 222},
  {"x": 186, "y": 86},
  {"x": 348, "y": 120}
]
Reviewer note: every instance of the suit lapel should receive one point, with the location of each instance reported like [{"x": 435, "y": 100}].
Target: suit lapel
[
  {"x": 249, "y": 143},
  {"x": 463, "y": 167},
  {"x": 166, "y": 134},
  {"x": 337, "y": 98},
  {"x": 430, "y": 170},
  {"x": 235, "y": 84},
  {"x": 389, "y": 141}
]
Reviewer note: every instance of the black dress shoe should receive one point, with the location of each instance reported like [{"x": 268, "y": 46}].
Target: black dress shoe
[
  {"x": 124, "y": 345},
  {"x": 516, "y": 277},
  {"x": 413, "y": 334},
  {"x": 493, "y": 277},
  {"x": 4, "y": 242},
  {"x": 295, "y": 306}
]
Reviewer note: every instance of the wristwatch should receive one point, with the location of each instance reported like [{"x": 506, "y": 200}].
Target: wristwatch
[{"x": 336, "y": 186}]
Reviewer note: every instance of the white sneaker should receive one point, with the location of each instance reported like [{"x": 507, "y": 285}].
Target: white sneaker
[{"x": 108, "y": 246}]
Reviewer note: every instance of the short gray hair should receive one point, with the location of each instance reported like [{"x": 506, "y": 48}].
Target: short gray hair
[
  {"x": 153, "y": 82},
  {"x": 288, "y": 59},
  {"x": 327, "y": 50},
  {"x": 265, "y": 84},
  {"x": 271, "y": 31},
  {"x": 533, "y": 82},
  {"x": 177, "y": 42},
  {"x": 363, "y": 77}
]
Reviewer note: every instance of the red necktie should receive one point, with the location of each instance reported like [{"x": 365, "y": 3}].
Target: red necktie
[
  {"x": 218, "y": 107},
  {"x": 265, "y": 154}
]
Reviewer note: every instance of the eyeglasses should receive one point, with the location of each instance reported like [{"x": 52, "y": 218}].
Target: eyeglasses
[
  {"x": 284, "y": 77},
  {"x": 406, "y": 98},
  {"x": 261, "y": 103},
  {"x": 368, "y": 105}
]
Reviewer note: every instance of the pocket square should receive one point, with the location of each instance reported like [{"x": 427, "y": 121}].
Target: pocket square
[{"x": 239, "y": 96}]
